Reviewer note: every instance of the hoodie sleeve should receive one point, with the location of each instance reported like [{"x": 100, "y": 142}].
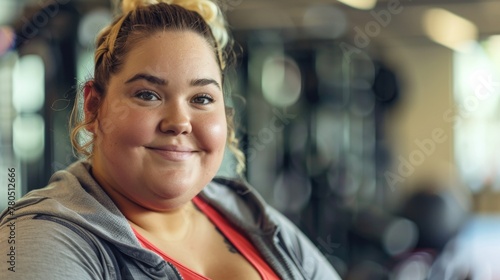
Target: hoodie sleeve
[{"x": 33, "y": 248}]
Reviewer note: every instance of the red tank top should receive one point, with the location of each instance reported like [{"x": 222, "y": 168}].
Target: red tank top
[{"x": 237, "y": 239}]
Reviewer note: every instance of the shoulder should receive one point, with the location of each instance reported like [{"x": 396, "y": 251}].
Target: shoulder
[{"x": 40, "y": 247}]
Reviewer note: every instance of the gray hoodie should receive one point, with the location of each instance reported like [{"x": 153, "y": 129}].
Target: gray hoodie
[{"x": 71, "y": 229}]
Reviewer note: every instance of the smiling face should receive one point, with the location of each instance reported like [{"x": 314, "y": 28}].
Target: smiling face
[{"x": 161, "y": 130}]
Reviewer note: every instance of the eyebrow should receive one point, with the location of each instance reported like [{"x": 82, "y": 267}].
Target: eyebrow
[
  {"x": 150, "y": 78},
  {"x": 204, "y": 82},
  {"x": 162, "y": 82}
]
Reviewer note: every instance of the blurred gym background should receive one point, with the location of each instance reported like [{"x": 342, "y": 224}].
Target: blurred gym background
[{"x": 371, "y": 124}]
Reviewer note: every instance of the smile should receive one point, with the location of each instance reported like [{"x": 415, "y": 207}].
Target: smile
[{"x": 173, "y": 154}]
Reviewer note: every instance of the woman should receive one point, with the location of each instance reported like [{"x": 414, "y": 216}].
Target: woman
[{"x": 145, "y": 204}]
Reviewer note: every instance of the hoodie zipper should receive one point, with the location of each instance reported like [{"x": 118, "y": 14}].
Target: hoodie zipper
[
  {"x": 177, "y": 273},
  {"x": 282, "y": 253}
]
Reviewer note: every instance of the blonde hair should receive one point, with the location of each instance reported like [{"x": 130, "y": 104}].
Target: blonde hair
[{"x": 138, "y": 20}]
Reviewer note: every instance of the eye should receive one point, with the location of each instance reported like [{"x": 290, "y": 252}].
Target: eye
[
  {"x": 203, "y": 99},
  {"x": 147, "y": 95}
]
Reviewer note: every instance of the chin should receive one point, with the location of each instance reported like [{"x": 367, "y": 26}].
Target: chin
[
  {"x": 176, "y": 190},
  {"x": 170, "y": 203}
]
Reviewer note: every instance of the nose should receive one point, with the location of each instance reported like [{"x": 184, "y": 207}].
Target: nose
[{"x": 176, "y": 120}]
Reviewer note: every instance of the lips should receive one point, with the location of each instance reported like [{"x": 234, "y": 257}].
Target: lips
[{"x": 173, "y": 153}]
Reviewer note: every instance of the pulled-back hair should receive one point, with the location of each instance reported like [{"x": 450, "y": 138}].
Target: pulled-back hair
[{"x": 139, "y": 20}]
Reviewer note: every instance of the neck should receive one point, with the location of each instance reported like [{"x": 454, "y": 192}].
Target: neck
[{"x": 171, "y": 224}]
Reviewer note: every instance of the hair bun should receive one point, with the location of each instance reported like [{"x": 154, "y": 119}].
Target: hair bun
[{"x": 209, "y": 10}]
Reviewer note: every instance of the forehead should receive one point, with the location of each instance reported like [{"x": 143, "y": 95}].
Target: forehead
[{"x": 166, "y": 51}]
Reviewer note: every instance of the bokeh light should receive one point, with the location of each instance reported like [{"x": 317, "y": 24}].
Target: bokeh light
[
  {"x": 7, "y": 38},
  {"x": 281, "y": 81},
  {"x": 28, "y": 92},
  {"x": 28, "y": 137}
]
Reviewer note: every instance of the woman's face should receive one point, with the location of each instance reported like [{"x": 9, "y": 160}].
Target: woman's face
[{"x": 161, "y": 129}]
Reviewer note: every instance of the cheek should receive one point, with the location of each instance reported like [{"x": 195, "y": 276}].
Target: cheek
[
  {"x": 214, "y": 132},
  {"x": 124, "y": 126}
]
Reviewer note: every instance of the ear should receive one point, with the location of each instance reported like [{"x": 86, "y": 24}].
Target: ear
[{"x": 91, "y": 101}]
